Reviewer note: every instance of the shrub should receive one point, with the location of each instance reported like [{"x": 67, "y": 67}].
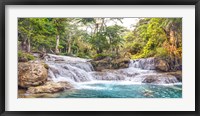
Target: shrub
[
  {"x": 29, "y": 56},
  {"x": 103, "y": 55},
  {"x": 100, "y": 56},
  {"x": 161, "y": 52},
  {"x": 136, "y": 47},
  {"x": 22, "y": 56}
]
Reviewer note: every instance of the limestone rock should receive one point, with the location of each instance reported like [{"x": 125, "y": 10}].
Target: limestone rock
[
  {"x": 31, "y": 74},
  {"x": 49, "y": 87},
  {"x": 162, "y": 65},
  {"x": 108, "y": 63},
  {"x": 162, "y": 78}
]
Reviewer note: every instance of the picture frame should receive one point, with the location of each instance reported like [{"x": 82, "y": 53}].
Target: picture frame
[{"x": 3, "y": 112}]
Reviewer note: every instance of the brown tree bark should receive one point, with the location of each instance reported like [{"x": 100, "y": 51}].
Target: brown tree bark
[
  {"x": 57, "y": 44},
  {"x": 69, "y": 44},
  {"x": 28, "y": 45}
]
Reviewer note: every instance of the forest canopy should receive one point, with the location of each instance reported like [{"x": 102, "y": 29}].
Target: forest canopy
[{"x": 96, "y": 37}]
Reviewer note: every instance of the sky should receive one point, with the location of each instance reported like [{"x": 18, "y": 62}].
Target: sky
[{"x": 127, "y": 22}]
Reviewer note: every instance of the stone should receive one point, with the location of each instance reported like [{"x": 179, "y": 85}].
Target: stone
[
  {"x": 162, "y": 65},
  {"x": 177, "y": 74},
  {"x": 108, "y": 63},
  {"x": 161, "y": 78},
  {"x": 50, "y": 87},
  {"x": 31, "y": 74}
]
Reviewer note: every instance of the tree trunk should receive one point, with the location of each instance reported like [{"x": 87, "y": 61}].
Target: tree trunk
[
  {"x": 23, "y": 45},
  {"x": 117, "y": 51},
  {"x": 52, "y": 51},
  {"x": 69, "y": 48},
  {"x": 57, "y": 44},
  {"x": 69, "y": 44},
  {"x": 29, "y": 45}
]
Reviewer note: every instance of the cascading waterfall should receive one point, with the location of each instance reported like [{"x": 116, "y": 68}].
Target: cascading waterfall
[
  {"x": 149, "y": 75},
  {"x": 76, "y": 70},
  {"x": 147, "y": 63}
]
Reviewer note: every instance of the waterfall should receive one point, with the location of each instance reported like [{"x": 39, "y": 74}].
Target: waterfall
[
  {"x": 66, "y": 72},
  {"x": 76, "y": 70},
  {"x": 65, "y": 68},
  {"x": 147, "y": 63}
]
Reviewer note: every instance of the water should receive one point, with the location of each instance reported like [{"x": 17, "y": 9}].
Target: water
[
  {"x": 139, "y": 80},
  {"x": 124, "y": 90}
]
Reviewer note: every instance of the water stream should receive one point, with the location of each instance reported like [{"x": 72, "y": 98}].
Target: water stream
[{"x": 139, "y": 80}]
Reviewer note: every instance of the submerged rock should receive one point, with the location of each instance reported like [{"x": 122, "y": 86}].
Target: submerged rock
[
  {"x": 31, "y": 74},
  {"x": 50, "y": 87}
]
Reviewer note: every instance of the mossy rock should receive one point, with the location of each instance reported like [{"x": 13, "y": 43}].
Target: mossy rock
[
  {"x": 25, "y": 57},
  {"x": 110, "y": 63}
]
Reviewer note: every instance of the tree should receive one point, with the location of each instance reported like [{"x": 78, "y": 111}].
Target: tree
[
  {"x": 158, "y": 36},
  {"x": 29, "y": 29},
  {"x": 25, "y": 32},
  {"x": 59, "y": 25},
  {"x": 114, "y": 33}
]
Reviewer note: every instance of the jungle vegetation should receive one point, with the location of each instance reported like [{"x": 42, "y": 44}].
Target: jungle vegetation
[{"x": 92, "y": 37}]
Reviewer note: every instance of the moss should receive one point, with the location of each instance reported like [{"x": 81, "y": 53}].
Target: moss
[
  {"x": 23, "y": 57},
  {"x": 29, "y": 56},
  {"x": 20, "y": 54}
]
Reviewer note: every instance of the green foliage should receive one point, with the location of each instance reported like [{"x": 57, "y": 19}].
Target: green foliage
[
  {"x": 100, "y": 56},
  {"x": 83, "y": 55},
  {"x": 150, "y": 34},
  {"x": 161, "y": 52},
  {"x": 87, "y": 37},
  {"x": 20, "y": 54},
  {"x": 25, "y": 56},
  {"x": 135, "y": 47},
  {"x": 103, "y": 55},
  {"x": 99, "y": 42}
]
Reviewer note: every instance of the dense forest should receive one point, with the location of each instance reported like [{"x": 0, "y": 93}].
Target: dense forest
[{"x": 92, "y": 37}]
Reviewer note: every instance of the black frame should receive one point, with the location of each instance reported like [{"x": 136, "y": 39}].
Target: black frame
[{"x": 3, "y": 3}]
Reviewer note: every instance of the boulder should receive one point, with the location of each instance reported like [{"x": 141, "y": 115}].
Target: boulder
[
  {"x": 31, "y": 74},
  {"x": 162, "y": 65},
  {"x": 49, "y": 87},
  {"x": 177, "y": 74},
  {"x": 21, "y": 59},
  {"x": 108, "y": 63},
  {"x": 162, "y": 78},
  {"x": 168, "y": 64}
]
